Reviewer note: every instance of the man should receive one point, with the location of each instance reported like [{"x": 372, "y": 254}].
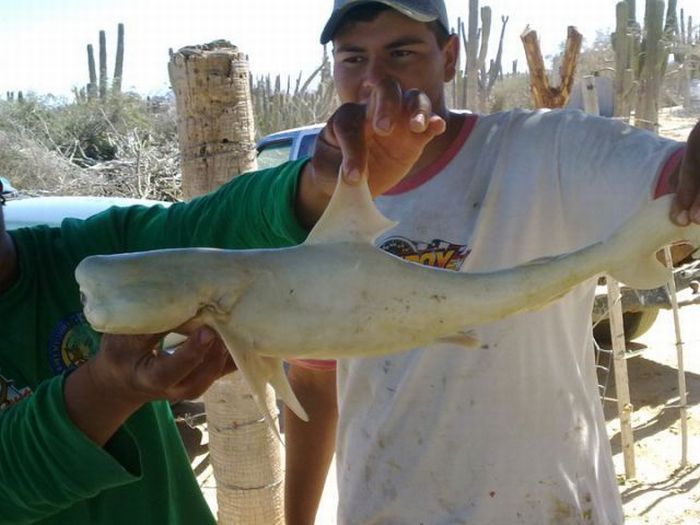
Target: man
[
  {"x": 80, "y": 440},
  {"x": 513, "y": 431}
]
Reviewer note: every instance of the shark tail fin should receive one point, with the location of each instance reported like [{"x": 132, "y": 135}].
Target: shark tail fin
[
  {"x": 646, "y": 274},
  {"x": 258, "y": 372}
]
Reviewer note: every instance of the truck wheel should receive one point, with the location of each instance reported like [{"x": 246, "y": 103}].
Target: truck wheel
[{"x": 635, "y": 323}]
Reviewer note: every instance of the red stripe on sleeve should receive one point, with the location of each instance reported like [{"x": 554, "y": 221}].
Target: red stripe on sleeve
[{"x": 664, "y": 185}]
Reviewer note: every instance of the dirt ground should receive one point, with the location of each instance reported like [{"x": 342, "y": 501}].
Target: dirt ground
[{"x": 661, "y": 492}]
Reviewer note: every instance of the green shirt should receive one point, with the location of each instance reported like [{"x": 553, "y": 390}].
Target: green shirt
[{"x": 50, "y": 472}]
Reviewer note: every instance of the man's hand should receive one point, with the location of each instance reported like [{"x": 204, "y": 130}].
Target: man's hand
[
  {"x": 133, "y": 367},
  {"x": 686, "y": 205},
  {"x": 129, "y": 371},
  {"x": 382, "y": 139}
]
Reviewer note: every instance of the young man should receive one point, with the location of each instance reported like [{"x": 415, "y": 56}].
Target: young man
[
  {"x": 513, "y": 431},
  {"x": 85, "y": 444}
]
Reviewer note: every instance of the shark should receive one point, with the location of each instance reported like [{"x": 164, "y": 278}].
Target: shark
[{"x": 337, "y": 295}]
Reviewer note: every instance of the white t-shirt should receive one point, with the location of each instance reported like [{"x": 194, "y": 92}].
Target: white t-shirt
[{"x": 511, "y": 431}]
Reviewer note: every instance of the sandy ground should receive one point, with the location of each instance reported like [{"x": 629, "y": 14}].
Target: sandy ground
[{"x": 661, "y": 492}]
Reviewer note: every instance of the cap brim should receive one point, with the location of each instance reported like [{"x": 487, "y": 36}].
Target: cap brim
[{"x": 332, "y": 24}]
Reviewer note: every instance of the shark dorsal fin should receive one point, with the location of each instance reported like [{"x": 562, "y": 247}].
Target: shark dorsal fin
[{"x": 350, "y": 216}]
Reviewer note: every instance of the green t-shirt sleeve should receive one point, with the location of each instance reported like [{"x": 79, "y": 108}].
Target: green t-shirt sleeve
[
  {"x": 253, "y": 210},
  {"x": 48, "y": 464}
]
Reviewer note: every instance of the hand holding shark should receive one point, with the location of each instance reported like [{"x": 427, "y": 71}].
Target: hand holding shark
[{"x": 686, "y": 205}]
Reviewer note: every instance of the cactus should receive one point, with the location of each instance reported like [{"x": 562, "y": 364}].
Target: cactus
[
  {"x": 624, "y": 41},
  {"x": 94, "y": 88},
  {"x": 472, "y": 87},
  {"x": 118, "y": 61},
  {"x": 92, "y": 85},
  {"x": 103, "y": 66},
  {"x": 277, "y": 108}
]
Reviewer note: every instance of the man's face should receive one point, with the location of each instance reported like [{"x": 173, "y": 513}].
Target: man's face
[{"x": 395, "y": 46}]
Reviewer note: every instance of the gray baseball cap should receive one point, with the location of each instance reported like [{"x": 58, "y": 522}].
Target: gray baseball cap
[{"x": 420, "y": 10}]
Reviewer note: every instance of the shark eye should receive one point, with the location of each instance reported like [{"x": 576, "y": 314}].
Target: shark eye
[{"x": 83, "y": 299}]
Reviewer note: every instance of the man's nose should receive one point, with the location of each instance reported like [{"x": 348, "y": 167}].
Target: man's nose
[{"x": 374, "y": 73}]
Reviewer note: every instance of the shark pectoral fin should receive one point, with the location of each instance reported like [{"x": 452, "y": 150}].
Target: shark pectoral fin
[
  {"x": 645, "y": 275},
  {"x": 259, "y": 371},
  {"x": 461, "y": 338},
  {"x": 253, "y": 367}
]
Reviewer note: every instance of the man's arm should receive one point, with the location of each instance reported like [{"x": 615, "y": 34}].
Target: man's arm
[
  {"x": 310, "y": 445},
  {"x": 63, "y": 444}
]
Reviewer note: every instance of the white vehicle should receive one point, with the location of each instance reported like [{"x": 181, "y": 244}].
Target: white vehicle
[
  {"x": 290, "y": 144},
  {"x": 32, "y": 211}
]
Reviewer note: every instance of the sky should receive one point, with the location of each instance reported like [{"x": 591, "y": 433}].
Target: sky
[{"x": 44, "y": 41}]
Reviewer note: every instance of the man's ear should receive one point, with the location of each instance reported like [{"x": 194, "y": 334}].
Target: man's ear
[{"x": 450, "y": 52}]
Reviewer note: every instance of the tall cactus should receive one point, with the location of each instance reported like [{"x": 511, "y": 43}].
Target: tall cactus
[
  {"x": 95, "y": 88},
  {"x": 471, "y": 48},
  {"x": 625, "y": 41},
  {"x": 472, "y": 90},
  {"x": 92, "y": 85},
  {"x": 118, "y": 61},
  {"x": 103, "y": 66},
  {"x": 652, "y": 66}
]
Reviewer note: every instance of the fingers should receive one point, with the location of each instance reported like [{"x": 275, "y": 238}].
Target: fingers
[
  {"x": 419, "y": 110},
  {"x": 686, "y": 204},
  {"x": 215, "y": 363},
  {"x": 348, "y": 129},
  {"x": 385, "y": 107},
  {"x": 380, "y": 138},
  {"x": 167, "y": 372}
]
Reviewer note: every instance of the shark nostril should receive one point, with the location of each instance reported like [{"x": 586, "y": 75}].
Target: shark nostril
[{"x": 83, "y": 299}]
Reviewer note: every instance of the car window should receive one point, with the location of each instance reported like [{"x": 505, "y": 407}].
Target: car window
[
  {"x": 306, "y": 146},
  {"x": 274, "y": 153}
]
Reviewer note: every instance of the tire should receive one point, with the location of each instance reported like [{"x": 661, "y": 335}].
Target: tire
[{"x": 635, "y": 323}]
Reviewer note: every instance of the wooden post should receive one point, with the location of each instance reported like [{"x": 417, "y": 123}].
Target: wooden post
[
  {"x": 216, "y": 131},
  {"x": 543, "y": 95},
  {"x": 590, "y": 96},
  {"x": 622, "y": 389},
  {"x": 216, "y": 135},
  {"x": 682, "y": 390}
]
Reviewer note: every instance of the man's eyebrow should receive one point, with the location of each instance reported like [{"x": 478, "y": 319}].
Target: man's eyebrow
[{"x": 400, "y": 42}]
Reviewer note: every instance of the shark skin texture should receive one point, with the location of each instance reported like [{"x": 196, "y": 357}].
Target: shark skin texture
[{"x": 336, "y": 295}]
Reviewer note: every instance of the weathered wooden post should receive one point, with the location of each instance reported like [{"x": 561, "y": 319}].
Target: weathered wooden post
[
  {"x": 544, "y": 95},
  {"x": 216, "y": 136}
]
